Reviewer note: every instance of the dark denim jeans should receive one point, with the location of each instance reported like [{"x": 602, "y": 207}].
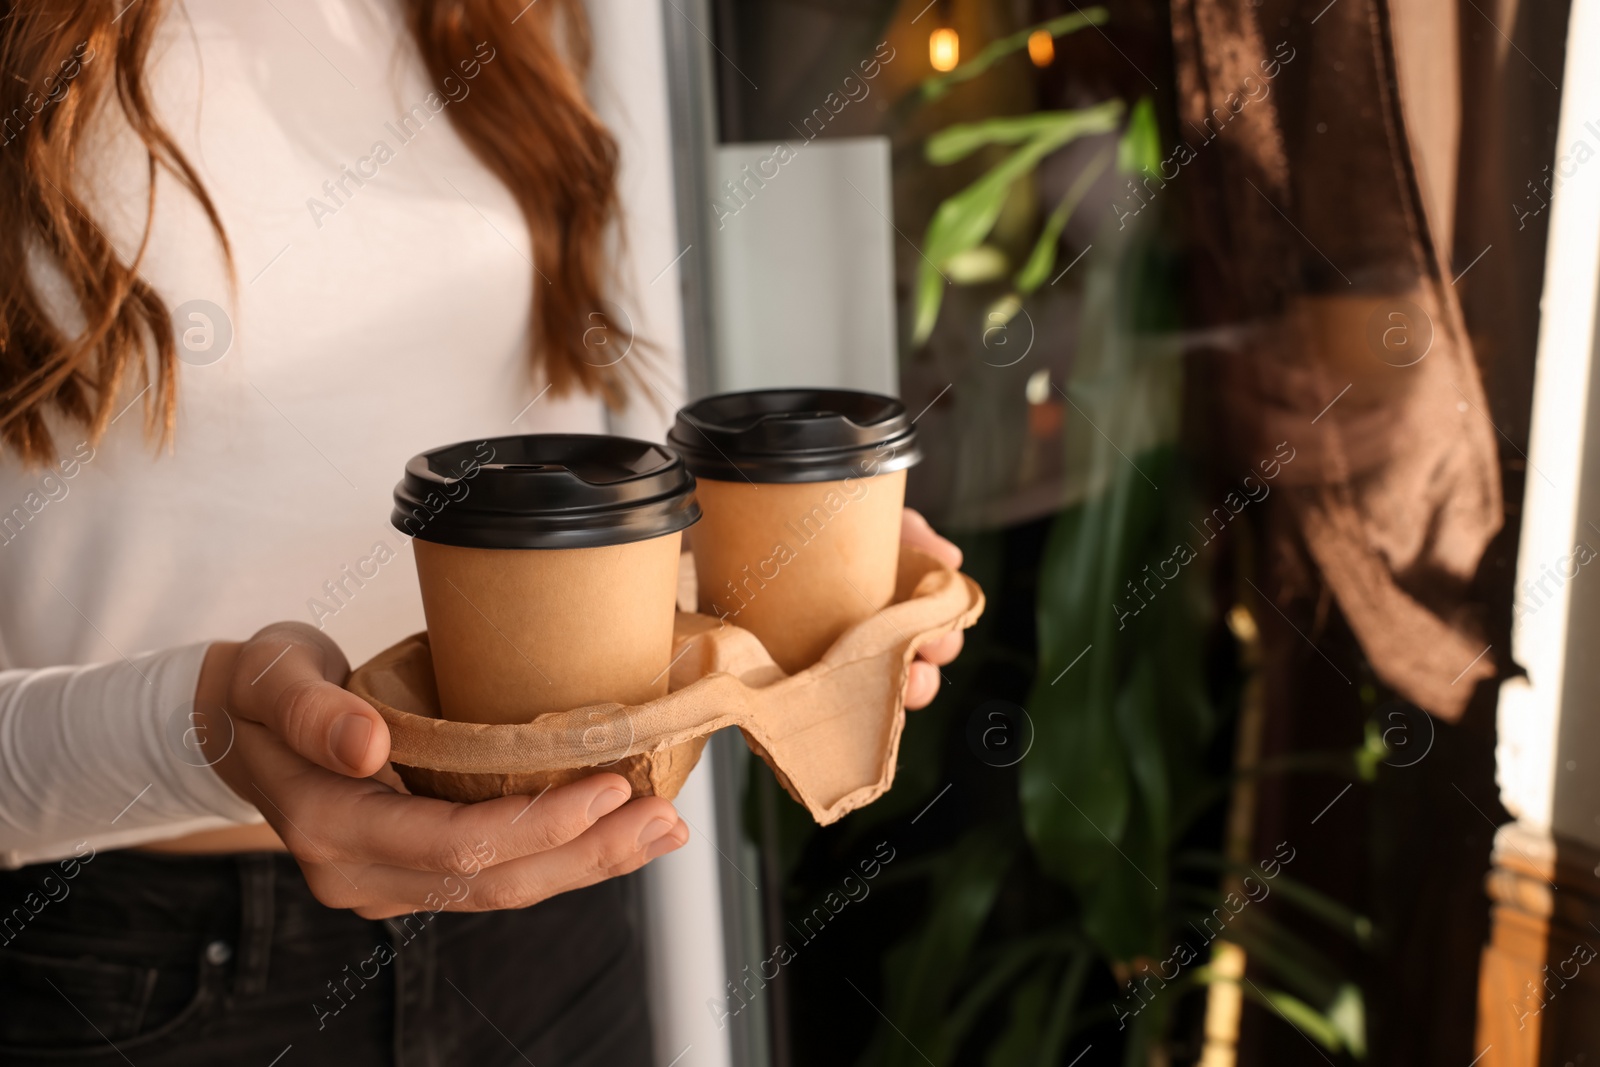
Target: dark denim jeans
[{"x": 164, "y": 960}]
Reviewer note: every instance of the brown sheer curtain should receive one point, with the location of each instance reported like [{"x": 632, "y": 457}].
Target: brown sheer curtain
[{"x": 1325, "y": 139}]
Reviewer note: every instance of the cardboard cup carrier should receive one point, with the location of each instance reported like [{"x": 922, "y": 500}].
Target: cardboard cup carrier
[
  {"x": 549, "y": 566},
  {"x": 802, "y": 491}
]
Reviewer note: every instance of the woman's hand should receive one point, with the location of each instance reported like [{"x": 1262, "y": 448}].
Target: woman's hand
[
  {"x": 305, "y": 752},
  {"x": 922, "y": 684}
]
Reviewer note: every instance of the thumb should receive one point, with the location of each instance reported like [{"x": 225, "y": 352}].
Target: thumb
[
  {"x": 330, "y": 726},
  {"x": 319, "y": 720}
]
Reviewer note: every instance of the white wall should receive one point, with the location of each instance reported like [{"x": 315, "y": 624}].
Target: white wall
[
  {"x": 803, "y": 271},
  {"x": 1549, "y": 723}
]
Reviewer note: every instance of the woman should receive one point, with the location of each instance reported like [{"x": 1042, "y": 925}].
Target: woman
[{"x": 255, "y": 256}]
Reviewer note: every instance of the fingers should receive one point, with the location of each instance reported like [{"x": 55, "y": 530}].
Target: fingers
[
  {"x": 619, "y": 844},
  {"x": 330, "y": 818},
  {"x": 914, "y": 529},
  {"x": 922, "y": 680},
  {"x": 285, "y": 679},
  {"x": 418, "y": 833},
  {"x": 922, "y": 684},
  {"x": 943, "y": 650},
  {"x": 363, "y": 846},
  {"x": 669, "y": 842},
  {"x": 623, "y": 842}
]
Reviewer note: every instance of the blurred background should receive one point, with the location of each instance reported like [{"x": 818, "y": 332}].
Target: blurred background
[{"x": 1222, "y": 324}]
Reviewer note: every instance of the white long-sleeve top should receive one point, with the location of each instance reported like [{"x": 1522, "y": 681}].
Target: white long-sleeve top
[{"x": 374, "y": 319}]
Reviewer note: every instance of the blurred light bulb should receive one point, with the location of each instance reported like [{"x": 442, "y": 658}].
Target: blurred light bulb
[
  {"x": 1038, "y": 388},
  {"x": 1041, "y": 48},
  {"x": 944, "y": 49}
]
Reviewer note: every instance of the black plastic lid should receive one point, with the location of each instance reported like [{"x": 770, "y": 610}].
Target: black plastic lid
[
  {"x": 795, "y": 435},
  {"x": 545, "y": 491}
]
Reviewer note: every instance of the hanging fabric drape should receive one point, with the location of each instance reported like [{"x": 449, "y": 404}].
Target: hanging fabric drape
[{"x": 1323, "y": 140}]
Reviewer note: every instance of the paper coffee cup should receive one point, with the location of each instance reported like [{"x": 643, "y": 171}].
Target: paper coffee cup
[
  {"x": 549, "y": 568},
  {"x": 802, "y": 491}
]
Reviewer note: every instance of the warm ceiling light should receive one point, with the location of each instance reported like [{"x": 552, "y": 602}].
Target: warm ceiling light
[
  {"x": 1041, "y": 48},
  {"x": 944, "y": 49}
]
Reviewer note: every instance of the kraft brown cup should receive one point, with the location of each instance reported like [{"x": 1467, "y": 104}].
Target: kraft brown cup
[
  {"x": 519, "y": 633},
  {"x": 798, "y": 565},
  {"x": 549, "y": 571},
  {"x": 801, "y": 493}
]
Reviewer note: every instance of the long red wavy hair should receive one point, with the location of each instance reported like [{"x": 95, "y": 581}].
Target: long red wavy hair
[{"x": 59, "y": 59}]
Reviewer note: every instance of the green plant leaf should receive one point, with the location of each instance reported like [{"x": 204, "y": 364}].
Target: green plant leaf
[
  {"x": 1042, "y": 1013},
  {"x": 1318, "y": 905},
  {"x": 1002, "y": 311},
  {"x": 1349, "y": 1017},
  {"x": 1020, "y": 1038},
  {"x": 936, "y": 86},
  {"x": 1303, "y": 970},
  {"x": 1123, "y": 913},
  {"x": 1116, "y": 733},
  {"x": 923, "y": 973},
  {"x": 1346, "y": 1033},
  {"x": 1058, "y": 1025},
  {"x": 975, "y": 265},
  {"x": 1006, "y": 965},
  {"x": 964, "y": 220},
  {"x": 1140, "y": 725},
  {"x": 1139, "y": 150},
  {"x": 930, "y": 294},
  {"x": 1343, "y": 1027},
  {"x": 1042, "y": 260},
  {"x": 1076, "y": 790},
  {"x": 1301, "y": 1015},
  {"x": 962, "y": 139},
  {"x": 1372, "y": 753}
]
